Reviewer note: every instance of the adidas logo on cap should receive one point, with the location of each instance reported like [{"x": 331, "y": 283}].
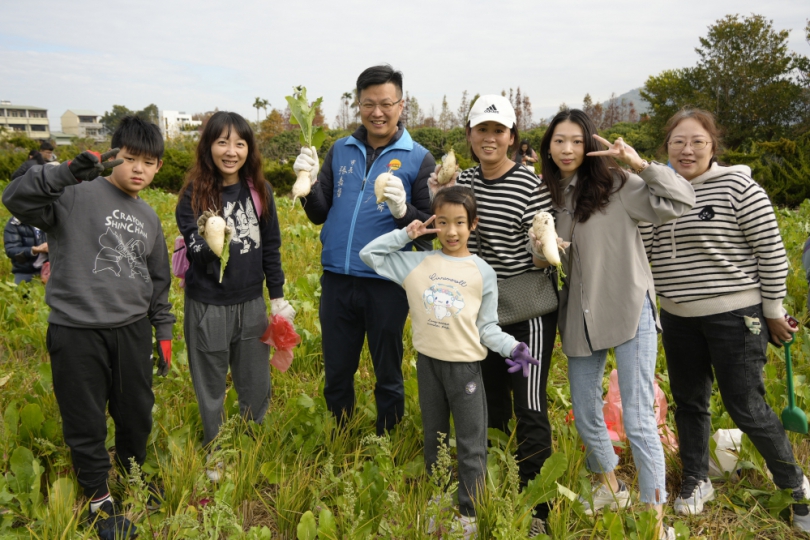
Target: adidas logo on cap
[{"x": 491, "y": 109}]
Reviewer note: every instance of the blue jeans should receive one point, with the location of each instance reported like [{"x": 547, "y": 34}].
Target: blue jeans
[{"x": 635, "y": 361}]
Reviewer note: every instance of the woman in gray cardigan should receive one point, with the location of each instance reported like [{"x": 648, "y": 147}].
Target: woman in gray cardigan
[{"x": 608, "y": 296}]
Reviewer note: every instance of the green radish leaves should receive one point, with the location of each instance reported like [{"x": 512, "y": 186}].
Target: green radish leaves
[{"x": 303, "y": 114}]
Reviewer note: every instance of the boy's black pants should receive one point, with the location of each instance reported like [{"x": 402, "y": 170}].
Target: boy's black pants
[{"x": 93, "y": 367}]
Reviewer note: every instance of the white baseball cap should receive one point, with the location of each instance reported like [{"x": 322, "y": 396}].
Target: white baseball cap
[{"x": 492, "y": 107}]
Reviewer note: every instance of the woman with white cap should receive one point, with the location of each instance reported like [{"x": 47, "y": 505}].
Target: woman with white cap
[{"x": 508, "y": 195}]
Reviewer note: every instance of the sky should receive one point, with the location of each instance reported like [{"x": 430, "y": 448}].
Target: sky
[{"x": 196, "y": 55}]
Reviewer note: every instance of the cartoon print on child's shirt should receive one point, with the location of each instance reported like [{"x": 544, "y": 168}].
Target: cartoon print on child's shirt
[
  {"x": 115, "y": 252},
  {"x": 443, "y": 300},
  {"x": 243, "y": 220}
]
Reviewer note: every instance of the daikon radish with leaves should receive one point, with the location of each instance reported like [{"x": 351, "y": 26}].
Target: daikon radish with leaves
[
  {"x": 217, "y": 234},
  {"x": 545, "y": 232},
  {"x": 302, "y": 113},
  {"x": 449, "y": 168}
]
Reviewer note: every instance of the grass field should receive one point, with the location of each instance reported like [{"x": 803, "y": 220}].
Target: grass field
[{"x": 295, "y": 476}]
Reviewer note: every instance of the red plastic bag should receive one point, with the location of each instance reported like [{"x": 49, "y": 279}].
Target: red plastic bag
[
  {"x": 281, "y": 335},
  {"x": 612, "y": 411}
]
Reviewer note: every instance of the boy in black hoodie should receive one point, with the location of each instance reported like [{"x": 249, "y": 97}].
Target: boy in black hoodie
[{"x": 110, "y": 285}]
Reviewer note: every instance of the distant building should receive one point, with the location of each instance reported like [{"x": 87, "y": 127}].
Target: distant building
[
  {"x": 25, "y": 120},
  {"x": 84, "y": 124},
  {"x": 61, "y": 138},
  {"x": 176, "y": 123}
]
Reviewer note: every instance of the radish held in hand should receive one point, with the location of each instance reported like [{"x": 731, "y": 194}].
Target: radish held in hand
[
  {"x": 546, "y": 234},
  {"x": 217, "y": 234},
  {"x": 449, "y": 168},
  {"x": 302, "y": 113},
  {"x": 379, "y": 185},
  {"x": 543, "y": 227}
]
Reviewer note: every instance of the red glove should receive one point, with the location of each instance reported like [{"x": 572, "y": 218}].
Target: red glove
[{"x": 164, "y": 362}]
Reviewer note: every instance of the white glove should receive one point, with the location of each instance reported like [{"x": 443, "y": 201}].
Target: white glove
[
  {"x": 279, "y": 306},
  {"x": 307, "y": 161},
  {"x": 395, "y": 195}
]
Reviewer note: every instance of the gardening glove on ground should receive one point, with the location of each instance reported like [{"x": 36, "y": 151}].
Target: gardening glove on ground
[
  {"x": 395, "y": 195},
  {"x": 279, "y": 306},
  {"x": 433, "y": 182},
  {"x": 89, "y": 165},
  {"x": 307, "y": 161},
  {"x": 164, "y": 359},
  {"x": 521, "y": 359}
]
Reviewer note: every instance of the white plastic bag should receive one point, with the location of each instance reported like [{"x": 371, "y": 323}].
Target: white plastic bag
[{"x": 729, "y": 443}]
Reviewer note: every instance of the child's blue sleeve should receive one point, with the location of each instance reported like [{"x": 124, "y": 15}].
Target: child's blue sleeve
[
  {"x": 383, "y": 256},
  {"x": 491, "y": 334}
]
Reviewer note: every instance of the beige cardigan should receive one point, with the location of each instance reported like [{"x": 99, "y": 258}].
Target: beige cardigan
[{"x": 606, "y": 266}]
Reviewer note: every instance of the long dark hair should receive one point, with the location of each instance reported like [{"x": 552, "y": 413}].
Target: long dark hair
[
  {"x": 596, "y": 175},
  {"x": 205, "y": 180}
]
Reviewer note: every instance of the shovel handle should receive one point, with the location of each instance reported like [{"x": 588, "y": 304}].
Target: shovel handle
[{"x": 789, "y": 373}]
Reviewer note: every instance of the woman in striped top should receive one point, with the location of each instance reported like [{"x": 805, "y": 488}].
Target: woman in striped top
[
  {"x": 720, "y": 276},
  {"x": 508, "y": 196}
]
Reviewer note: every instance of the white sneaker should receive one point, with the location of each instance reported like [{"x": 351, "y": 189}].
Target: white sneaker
[
  {"x": 802, "y": 523},
  {"x": 214, "y": 471},
  {"x": 604, "y": 496},
  {"x": 667, "y": 533},
  {"x": 466, "y": 526},
  {"x": 694, "y": 493},
  {"x": 538, "y": 527}
]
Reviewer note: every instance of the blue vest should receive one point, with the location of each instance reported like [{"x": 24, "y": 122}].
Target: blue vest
[{"x": 355, "y": 218}]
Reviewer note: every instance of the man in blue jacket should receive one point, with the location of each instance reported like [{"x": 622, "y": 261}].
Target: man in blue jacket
[{"x": 355, "y": 301}]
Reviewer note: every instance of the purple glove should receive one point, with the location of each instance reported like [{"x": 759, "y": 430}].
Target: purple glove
[{"x": 521, "y": 359}]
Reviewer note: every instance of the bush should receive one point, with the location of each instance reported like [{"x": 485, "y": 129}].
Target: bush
[{"x": 281, "y": 177}]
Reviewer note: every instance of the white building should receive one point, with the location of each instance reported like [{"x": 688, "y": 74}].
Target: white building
[
  {"x": 25, "y": 119},
  {"x": 176, "y": 123},
  {"x": 83, "y": 123}
]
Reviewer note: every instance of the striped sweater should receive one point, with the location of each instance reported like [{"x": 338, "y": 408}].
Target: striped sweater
[
  {"x": 506, "y": 207},
  {"x": 726, "y": 253}
]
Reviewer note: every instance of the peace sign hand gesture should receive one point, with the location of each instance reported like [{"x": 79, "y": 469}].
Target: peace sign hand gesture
[
  {"x": 417, "y": 228},
  {"x": 621, "y": 151}
]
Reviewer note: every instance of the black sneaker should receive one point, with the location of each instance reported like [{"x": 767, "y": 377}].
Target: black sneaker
[
  {"x": 110, "y": 525},
  {"x": 155, "y": 499}
]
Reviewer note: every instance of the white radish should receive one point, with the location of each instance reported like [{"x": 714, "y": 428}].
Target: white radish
[
  {"x": 217, "y": 234},
  {"x": 303, "y": 184},
  {"x": 449, "y": 168},
  {"x": 379, "y": 185},
  {"x": 543, "y": 227}
]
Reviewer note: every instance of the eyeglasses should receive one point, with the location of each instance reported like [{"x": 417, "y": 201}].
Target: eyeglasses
[
  {"x": 385, "y": 107},
  {"x": 680, "y": 144}
]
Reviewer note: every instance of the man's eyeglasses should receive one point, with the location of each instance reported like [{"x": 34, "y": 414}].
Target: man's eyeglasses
[
  {"x": 680, "y": 144},
  {"x": 386, "y": 106}
]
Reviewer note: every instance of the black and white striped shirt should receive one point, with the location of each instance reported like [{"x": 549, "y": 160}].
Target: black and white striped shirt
[
  {"x": 726, "y": 253},
  {"x": 506, "y": 207}
]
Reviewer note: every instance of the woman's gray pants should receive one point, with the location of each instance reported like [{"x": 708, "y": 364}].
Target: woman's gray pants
[{"x": 219, "y": 337}]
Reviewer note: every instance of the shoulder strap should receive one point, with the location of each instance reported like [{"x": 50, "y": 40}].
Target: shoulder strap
[{"x": 255, "y": 196}]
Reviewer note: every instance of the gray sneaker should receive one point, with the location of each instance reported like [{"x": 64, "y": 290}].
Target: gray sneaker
[
  {"x": 538, "y": 527},
  {"x": 604, "y": 496},
  {"x": 801, "y": 512},
  {"x": 694, "y": 493}
]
